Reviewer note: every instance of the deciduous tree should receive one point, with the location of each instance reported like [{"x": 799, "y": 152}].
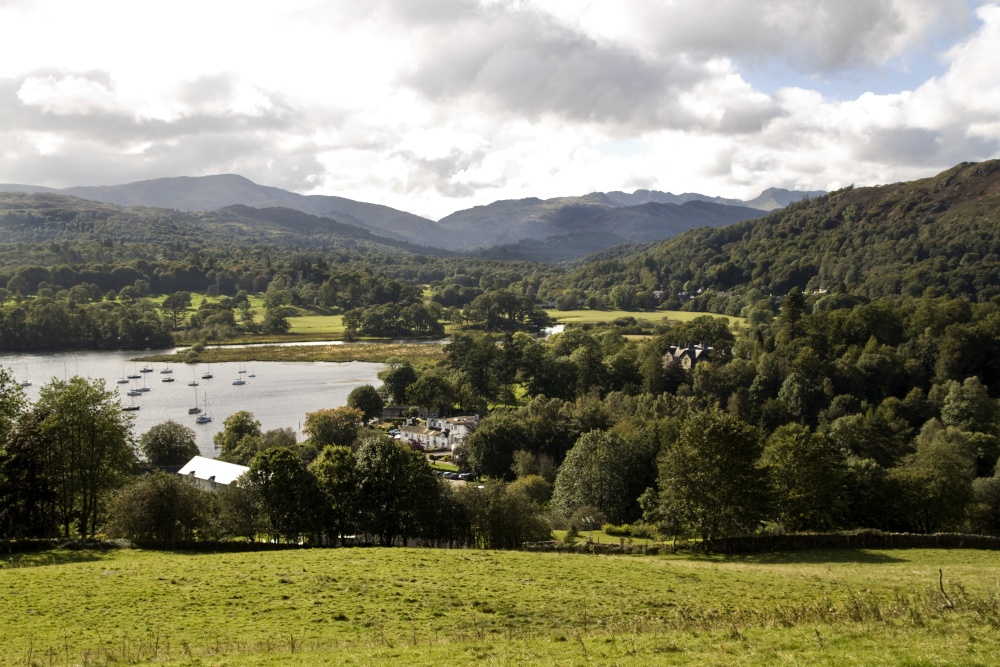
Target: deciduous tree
[{"x": 168, "y": 444}]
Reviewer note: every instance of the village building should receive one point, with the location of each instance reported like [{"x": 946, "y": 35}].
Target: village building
[
  {"x": 440, "y": 432},
  {"x": 686, "y": 356},
  {"x": 211, "y": 474}
]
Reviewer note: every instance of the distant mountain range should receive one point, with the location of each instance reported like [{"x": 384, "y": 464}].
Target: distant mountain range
[{"x": 586, "y": 224}]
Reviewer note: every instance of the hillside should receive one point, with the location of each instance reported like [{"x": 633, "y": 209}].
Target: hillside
[
  {"x": 47, "y": 216},
  {"x": 499, "y": 223},
  {"x": 207, "y": 193},
  {"x": 593, "y": 222},
  {"x": 461, "y": 606},
  {"x": 768, "y": 200},
  {"x": 643, "y": 223},
  {"x": 941, "y": 232}
]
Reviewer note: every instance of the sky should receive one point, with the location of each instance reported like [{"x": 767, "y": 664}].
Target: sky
[{"x": 433, "y": 106}]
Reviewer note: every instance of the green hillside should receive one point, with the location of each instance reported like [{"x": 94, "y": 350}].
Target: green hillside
[
  {"x": 431, "y": 607},
  {"x": 48, "y": 217},
  {"x": 941, "y": 232}
]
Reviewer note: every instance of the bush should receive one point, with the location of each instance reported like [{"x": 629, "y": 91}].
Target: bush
[
  {"x": 630, "y": 530},
  {"x": 163, "y": 510}
]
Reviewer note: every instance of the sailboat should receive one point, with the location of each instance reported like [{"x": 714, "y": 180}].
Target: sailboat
[
  {"x": 130, "y": 408},
  {"x": 253, "y": 373},
  {"x": 26, "y": 382},
  {"x": 195, "y": 410},
  {"x": 205, "y": 418},
  {"x": 123, "y": 379},
  {"x": 194, "y": 383},
  {"x": 207, "y": 375}
]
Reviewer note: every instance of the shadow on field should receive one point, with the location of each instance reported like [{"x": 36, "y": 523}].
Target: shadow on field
[
  {"x": 56, "y": 557},
  {"x": 816, "y": 557}
]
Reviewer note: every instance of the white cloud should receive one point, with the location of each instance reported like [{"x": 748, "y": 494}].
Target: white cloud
[{"x": 434, "y": 105}]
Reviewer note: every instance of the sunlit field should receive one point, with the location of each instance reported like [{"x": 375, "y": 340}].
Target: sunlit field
[
  {"x": 372, "y": 606},
  {"x": 603, "y": 316}
]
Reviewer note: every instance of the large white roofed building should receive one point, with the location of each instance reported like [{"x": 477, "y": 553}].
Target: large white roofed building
[{"x": 211, "y": 474}]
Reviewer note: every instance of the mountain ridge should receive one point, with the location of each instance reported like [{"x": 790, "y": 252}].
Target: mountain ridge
[{"x": 499, "y": 223}]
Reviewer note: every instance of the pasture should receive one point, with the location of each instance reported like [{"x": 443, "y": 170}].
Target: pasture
[
  {"x": 605, "y": 316},
  {"x": 371, "y": 606}
]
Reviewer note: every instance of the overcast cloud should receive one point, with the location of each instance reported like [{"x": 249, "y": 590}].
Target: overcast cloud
[{"x": 435, "y": 105}]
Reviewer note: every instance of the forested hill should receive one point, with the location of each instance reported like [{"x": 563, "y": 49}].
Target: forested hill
[
  {"x": 941, "y": 232},
  {"x": 43, "y": 217}
]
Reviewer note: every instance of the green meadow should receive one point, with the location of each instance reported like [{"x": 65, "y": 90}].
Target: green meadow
[
  {"x": 372, "y": 606},
  {"x": 604, "y": 316}
]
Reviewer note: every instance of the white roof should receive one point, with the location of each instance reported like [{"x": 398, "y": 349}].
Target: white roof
[{"x": 202, "y": 468}]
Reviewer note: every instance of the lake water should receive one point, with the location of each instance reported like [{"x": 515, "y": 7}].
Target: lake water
[{"x": 279, "y": 396}]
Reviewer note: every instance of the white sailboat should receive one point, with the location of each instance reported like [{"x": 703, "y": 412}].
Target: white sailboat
[{"x": 204, "y": 418}]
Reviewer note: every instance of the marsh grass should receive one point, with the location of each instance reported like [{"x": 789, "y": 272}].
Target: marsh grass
[
  {"x": 424, "y": 606},
  {"x": 418, "y": 353}
]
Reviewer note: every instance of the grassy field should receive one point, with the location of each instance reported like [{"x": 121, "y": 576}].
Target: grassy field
[
  {"x": 331, "y": 326},
  {"x": 429, "y": 607},
  {"x": 602, "y": 316}
]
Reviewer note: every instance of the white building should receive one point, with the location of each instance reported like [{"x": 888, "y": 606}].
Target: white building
[{"x": 211, "y": 474}]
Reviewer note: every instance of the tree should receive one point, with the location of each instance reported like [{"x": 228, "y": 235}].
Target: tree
[
  {"x": 239, "y": 438},
  {"x": 709, "y": 481},
  {"x": 335, "y": 470},
  {"x": 397, "y": 379},
  {"x": 935, "y": 481},
  {"x": 288, "y": 494},
  {"x": 433, "y": 392},
  {"x": 175, "y": 304},
  {"x": 502, "y": 516},
  {"x": 333, "y": 426},
  {"x": 793, "y": 308},
  {"x": 93, "y": 440},
  {"x": 969, "y": 407},
  {"x": 278, "y": 437},
  {"x": 492, "y": 445},
  {"x": 984, "y": 511},
  {"x": 396, "y": 490},
  {"x": 168, "y": 444},
  {"x": 163, "y": 510},
  {"x": 240, "y": 512},
  {"x": 28, "y": 467},
  {"x": 12, "y": 403},
  {"x": 276, "y": 321},
  {"x": 605, "y": 471},
  {"x": 807, "y": 478},
  {"x": 367, "y": 399}
]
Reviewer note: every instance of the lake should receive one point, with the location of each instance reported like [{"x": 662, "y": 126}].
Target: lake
[{"x": 279, "y": 396}]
